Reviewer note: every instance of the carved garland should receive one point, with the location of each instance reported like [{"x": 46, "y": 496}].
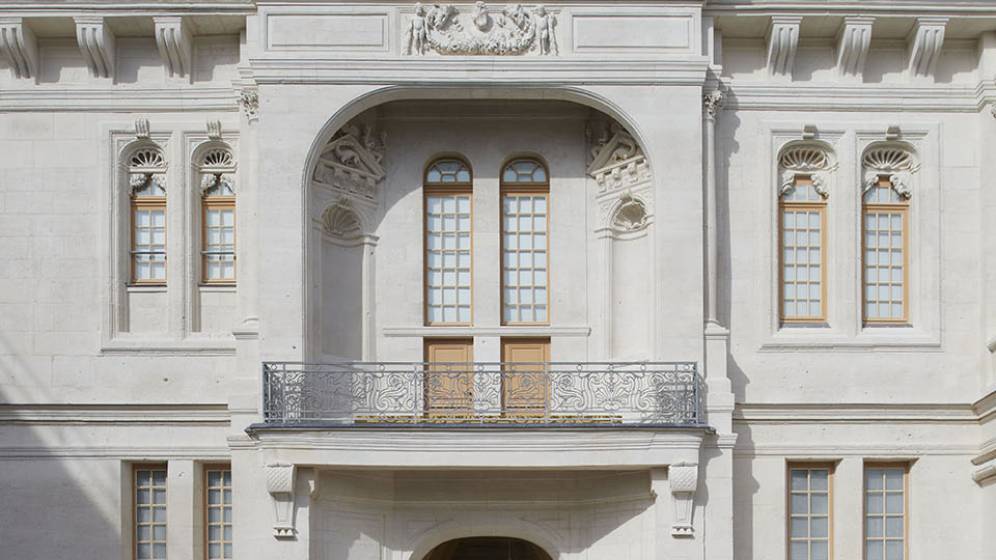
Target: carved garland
[
  {"x": 813, "y": 160},
  {"x": 513, "y": 31},
  {"x": 894, "y": 161}
]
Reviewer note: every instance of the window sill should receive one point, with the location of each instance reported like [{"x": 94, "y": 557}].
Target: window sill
[
  {"x": 190, "y": 346},
  {"x": 138, "y": 288},
  {"x": 224, "y": 288},
  {"x": 823, "y": 337}
]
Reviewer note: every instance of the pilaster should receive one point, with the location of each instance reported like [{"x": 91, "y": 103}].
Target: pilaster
[{"x": 181, "y": 503}]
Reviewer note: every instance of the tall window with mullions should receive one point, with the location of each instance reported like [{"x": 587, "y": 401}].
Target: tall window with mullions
[
  {"x": 218, "y": 518},
  {"x": 525, "y": 245},
  {"x": 150, "y": 512},
  {"x": 448, "y": 264}
]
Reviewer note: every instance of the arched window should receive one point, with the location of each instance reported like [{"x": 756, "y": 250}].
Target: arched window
[
  {"x": 525, "y": 245},
  {"x": 448, "y": 272},
  {"x": 802, "y": 218},
  {"x": 885, "y": 204},
  {"x": 147, "y": 180},
  {"x": 217, "y": 168}
]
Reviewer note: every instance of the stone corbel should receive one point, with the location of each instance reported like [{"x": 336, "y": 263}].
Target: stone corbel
[
  {"x": 175, "y": 42},
  {"x": 280, "y": 485},
  {"x": 142, "y": 129},
  {"x": 925, "y": 42},
  {"x": 18, "y": 46},
  {"x": 96, "y": 42},
  {"x": 852, "y": 46},
  {"x": 214, "y": 129},
  {"x": 783, "y": 38},
  {"x": 684, "y": 480}
]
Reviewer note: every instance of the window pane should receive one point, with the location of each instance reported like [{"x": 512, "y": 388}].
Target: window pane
[
  {"x": 219, "y": 513},
  {"x": 884, "y": 264},
  {"x": 802, "y": 256},
  {"x": 885, "y": 510},
  {"x": 809, "y": 504},
  {"x": 150, "y": 513},
  {"x": 524, "y": 257},
  {"x": 448, "y": 258},
  {"x": 148, "y": 242}
]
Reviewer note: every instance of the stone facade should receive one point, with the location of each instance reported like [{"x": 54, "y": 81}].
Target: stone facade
[{"x": 671, "y": 133}]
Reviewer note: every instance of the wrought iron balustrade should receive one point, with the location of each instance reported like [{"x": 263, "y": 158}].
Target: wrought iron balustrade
[{"x": 581, "y": 393}]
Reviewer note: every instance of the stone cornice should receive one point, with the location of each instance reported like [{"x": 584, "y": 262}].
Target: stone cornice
[
  {"x": 114, "y": 98},
  {"x": 863, "y": 97},
  {"x": 484, "y": 70}
]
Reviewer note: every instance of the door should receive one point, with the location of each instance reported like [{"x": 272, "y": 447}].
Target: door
[
  {"x": 526, "y": 380},
  {"x": 449, "y": 376}
]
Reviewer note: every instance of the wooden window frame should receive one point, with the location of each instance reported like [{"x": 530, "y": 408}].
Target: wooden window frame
[
  {"x": 523, "y": 189},
  {"x": 430, "y": 189},
  {"x": 821, "y": 207},
  {"x": 136, "y": 467},
  {"x": 809, "y": 465},
  {"x": 903, "y": 209},
  {"x": 905, "y": 466},
  {"x": 208, "y": 202},
  {"x": 206, "y": 468},
  {"x": 141, "y": 203}
]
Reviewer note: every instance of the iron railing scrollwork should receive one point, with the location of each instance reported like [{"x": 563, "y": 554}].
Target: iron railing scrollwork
[{"x": 582, "y": 393}]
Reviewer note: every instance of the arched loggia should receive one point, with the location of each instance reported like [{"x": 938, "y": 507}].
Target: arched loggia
[{"x": 350, "y": 163}]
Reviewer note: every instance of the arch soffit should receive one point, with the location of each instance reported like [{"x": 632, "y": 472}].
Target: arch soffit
[
  {"x": 383, "y": 95},
  {"x": 452, "y": 530}
]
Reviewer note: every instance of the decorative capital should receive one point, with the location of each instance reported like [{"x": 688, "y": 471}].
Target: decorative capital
[
  {"x": 249, "y": 101},
  {"x": 712, "y": 101}
]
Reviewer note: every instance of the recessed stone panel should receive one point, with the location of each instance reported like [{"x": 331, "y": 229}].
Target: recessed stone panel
[
  {"x": 632, "y": 32},
  {"x": 360, "y": 32}
]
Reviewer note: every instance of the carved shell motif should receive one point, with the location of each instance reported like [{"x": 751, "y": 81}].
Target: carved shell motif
[
  {"x": 147, "y": 159},
  {"x": 887, "y": 159},
  {"x": 219, "y": 158},
  {"x": 896, "y": 162},
  {"x": 806, "y": 160}
]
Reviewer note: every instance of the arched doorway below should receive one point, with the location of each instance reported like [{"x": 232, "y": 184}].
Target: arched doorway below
[{"x": 487, "y": 548}]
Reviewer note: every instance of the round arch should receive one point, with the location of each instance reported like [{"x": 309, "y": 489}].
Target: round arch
[
  {"x": 401, "y": 93},
  {"x": 512, "y": 529}
]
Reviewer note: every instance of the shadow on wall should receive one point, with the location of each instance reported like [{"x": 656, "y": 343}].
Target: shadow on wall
[
  {"x": 61, "y": 494},
  {"x": 355, "y": 510}
]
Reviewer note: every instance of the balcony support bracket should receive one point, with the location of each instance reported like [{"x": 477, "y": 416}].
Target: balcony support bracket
[
  {"x": 684, "y": 480},
  {"x": 280, "y": 485}
]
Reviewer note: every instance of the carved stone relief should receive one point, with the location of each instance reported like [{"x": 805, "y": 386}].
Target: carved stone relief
[
  {"x": 630, "y": 216},
  {"x": 894, "y": 161},
  {"x": 515, "y": 30},
  {"x": 620, "y": 170},
  {"x": 805, "y": 158},
  {"x": 350, "y": 164},
  {"x": 340, "y": 220}
]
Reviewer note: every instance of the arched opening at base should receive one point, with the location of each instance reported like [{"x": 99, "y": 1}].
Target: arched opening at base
[{"x": 487, "y": 548}]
